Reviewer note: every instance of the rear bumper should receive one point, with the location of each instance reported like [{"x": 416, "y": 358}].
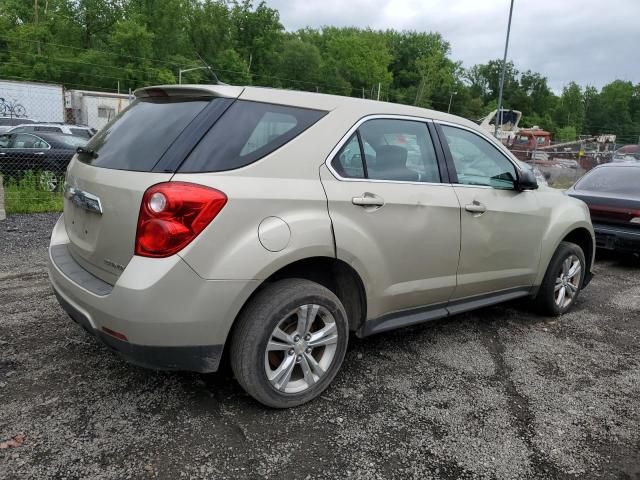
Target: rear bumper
[
  {"x": 203, "y": 358},
  {"x": 172, "y": 318},
  {"x": 611, "y": 237}
]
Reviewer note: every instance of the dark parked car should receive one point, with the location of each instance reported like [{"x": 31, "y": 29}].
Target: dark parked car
[
  {"x": 612, "y": 192},
  {"x": 46, "y": 154}
]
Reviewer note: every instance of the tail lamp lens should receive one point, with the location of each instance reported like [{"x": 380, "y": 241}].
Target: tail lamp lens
[{"x": 172, "y": 214}]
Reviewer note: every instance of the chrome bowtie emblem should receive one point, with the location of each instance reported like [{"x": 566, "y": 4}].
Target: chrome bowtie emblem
[{"x": 82, "y": 199}]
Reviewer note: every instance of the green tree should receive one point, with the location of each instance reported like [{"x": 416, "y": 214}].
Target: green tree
[{"x": 300, "y": 65}]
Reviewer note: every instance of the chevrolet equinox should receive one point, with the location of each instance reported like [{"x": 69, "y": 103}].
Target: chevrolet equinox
[{"x": 269, "y": 225}]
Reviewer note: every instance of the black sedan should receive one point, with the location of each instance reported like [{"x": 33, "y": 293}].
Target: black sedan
[
  {"x": 612, "y": 192},
  {"x": 45, "y": 154}
]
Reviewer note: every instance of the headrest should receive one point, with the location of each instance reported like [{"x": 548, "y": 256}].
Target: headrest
[{"x": 391, "y": 156}]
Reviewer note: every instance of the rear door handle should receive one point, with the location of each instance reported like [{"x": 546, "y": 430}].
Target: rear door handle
[
  {"x": 475, "y": 207},
  {"x": 368, "y": 200},
  {"x": 39, "y": 154}
]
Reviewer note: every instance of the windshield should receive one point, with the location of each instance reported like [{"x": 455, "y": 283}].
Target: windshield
[{"x": 621, "y": 180}]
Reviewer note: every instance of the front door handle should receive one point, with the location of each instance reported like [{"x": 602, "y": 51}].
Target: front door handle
[
  {"x": 368, "y": 200},
  {"x": 39, "y": 154},
  {"x": 475, "y": 207}
]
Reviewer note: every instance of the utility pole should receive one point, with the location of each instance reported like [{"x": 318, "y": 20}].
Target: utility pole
[
  {"x": 379, "y": 84},
  {"x": 35, "y": 6},
  {"x": 504, "y": 69},
  {"x": 450, "y": 100}
]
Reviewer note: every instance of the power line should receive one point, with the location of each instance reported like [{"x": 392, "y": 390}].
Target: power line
[
  {"x": 84, "y": 86},
  {"x": 6, "y": 37},
  {"x": 66, "y": 60}
]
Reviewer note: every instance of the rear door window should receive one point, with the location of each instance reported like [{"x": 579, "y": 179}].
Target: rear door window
[
  {"x": 23, "y": 140},
  {"x": 247, "y": 132},
  {"x": 137, "y": 138},
  {"x": 399, "y": 150}
]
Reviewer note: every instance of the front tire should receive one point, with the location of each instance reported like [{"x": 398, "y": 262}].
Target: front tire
[
  {"x": 563, "y": 280},
  {"x": 289, "y": 343}
]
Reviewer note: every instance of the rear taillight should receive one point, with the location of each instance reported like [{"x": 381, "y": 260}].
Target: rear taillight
[
  {"x": 172, "y": 214},
  {"x": 619, "y": 214}
]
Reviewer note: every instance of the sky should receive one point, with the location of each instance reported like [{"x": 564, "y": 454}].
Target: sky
[{"x": 587, "y": 41}]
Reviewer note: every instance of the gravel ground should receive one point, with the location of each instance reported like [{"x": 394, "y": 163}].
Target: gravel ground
[{"x": 496, "y": 394}]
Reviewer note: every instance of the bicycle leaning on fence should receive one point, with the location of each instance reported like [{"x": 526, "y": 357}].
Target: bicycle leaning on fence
[{"x": 12, "y": 109}]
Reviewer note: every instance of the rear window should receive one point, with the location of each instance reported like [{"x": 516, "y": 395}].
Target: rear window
[
  {"x": 71, "y": 140},
  {"x": 137, "y": 138},
  {"x": 81, "y": 132},
  {"x": 621, "y": 180},
  {"x": 247, "y": 132}
]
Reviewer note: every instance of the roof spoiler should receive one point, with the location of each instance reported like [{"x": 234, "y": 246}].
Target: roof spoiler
[{"x": 227, "y": 91}]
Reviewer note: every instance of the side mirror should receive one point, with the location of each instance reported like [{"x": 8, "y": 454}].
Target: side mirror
[{"x": 526, "y": 180}]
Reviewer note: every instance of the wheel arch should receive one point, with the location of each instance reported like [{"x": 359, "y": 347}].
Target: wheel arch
[
  {"x": 582, "y": 237},
  {"x": 332, "y": 273}
]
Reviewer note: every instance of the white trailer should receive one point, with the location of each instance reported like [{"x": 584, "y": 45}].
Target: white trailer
[
  {"x": 94, "y": 109},
  {"x": 41, "y": 102}
]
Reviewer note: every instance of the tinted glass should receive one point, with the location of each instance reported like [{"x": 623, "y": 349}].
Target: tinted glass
[
  {"x": 4, "y": 141},
  {"x": 45, "y": 129},
  {"x": 478, "y": 162},
  {"x": 137, "y": 137},
  {"x": 81, "y": 132},
  {"x": 247, "y": 132},
  {"x": 22, "y": 140},
  {"x": 620, "y": 180},
  {"x": 71, "y": 141},
  {"x": 348, "y": 162},
  {"x": 399, "y": 150}
]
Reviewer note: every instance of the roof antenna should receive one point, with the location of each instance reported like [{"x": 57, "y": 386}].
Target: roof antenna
[{"x": 213, "y": 74}]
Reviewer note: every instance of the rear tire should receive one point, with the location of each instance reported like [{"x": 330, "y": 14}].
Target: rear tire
[
  {"x": 562, "y": 281},
  {"x": 289, "y": 343}
]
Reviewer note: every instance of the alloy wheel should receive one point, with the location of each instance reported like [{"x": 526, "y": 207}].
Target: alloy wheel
[
  {"x": 48, "y": 181},
  {"x": 568, "y": 281},
  {"x": 301, "y": 349}
]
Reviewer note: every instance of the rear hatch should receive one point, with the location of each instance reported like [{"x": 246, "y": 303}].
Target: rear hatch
[
  {"x": 142, "y": 146},
  {"x": 612, "y": 209}
]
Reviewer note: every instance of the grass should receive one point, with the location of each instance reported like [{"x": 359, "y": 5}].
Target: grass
[
  {"x": 562, "y": 184},
  {"x": 25, "y": 195}
]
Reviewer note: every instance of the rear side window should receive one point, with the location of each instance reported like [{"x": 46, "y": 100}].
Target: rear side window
[
  {"x": 247, "y": 132},
  {"x": 137, "y": 138}
]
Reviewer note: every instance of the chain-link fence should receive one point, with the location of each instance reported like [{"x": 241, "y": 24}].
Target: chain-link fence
[
  {"x": 563, "y": 163},
  {"x": 41, "y": 127}
]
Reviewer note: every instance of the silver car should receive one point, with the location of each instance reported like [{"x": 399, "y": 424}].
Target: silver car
[{"x": 268, "y": 226}]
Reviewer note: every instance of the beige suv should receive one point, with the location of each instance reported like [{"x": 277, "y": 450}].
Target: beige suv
[{"x": 268, "y": 226}]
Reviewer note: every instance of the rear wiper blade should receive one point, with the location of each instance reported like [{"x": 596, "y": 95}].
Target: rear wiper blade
[{"x": 87, "y": 151}]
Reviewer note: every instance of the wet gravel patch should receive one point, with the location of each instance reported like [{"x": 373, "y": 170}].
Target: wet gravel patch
[{"x": 498, "y": 394}]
